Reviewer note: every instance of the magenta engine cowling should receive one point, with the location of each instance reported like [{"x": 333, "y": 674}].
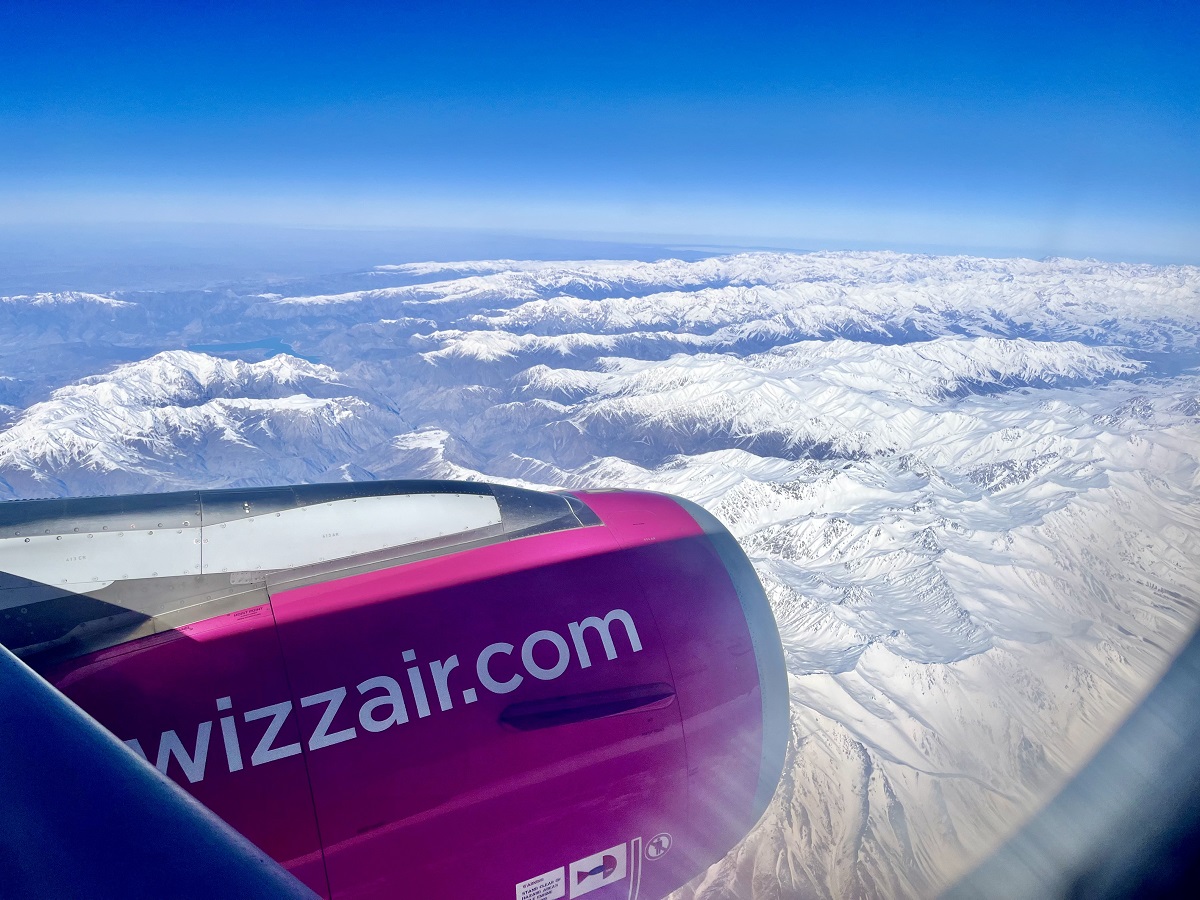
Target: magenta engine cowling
[
  {"x": 595, "y": 706},
  {"x": 723, "y": 648}
]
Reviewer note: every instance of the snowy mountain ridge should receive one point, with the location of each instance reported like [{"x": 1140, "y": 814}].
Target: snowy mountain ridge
[
  {"x": 63, "y": 298},
  {"x": 159, "y": 416}
]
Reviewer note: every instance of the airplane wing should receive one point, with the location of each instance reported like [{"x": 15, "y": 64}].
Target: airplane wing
[{"x": 81, "y": 816}]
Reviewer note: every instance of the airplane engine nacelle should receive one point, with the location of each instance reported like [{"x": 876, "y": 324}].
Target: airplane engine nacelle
[{"x": 422, "y": 689}]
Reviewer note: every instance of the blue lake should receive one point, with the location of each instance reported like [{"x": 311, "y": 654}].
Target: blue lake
[{"x": 273, "y": 346}]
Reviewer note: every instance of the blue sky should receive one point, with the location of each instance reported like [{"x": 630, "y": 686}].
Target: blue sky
[{"x": 1036, "y": 129}]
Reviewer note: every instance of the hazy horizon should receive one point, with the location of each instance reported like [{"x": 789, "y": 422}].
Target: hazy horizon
[{"x": 177, "y": 256}]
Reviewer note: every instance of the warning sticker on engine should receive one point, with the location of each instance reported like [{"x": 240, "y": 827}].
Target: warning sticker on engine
[
  {"x": 550, "y": 886},
  {"x": 598, "y": 870}
]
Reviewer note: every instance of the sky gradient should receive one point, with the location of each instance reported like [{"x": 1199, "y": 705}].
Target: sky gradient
[{"x": 1037, "y": 129}]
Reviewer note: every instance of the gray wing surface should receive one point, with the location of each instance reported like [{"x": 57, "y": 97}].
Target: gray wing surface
[{"x": 82, "y": 816}]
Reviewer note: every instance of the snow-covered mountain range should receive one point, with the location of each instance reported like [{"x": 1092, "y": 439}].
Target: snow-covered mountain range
[{"x": 969, "y": 485}]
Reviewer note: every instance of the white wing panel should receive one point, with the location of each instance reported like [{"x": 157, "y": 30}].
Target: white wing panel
[
  {"x": 102, "y": 557},
  {"x": 327, "y": 531}
]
